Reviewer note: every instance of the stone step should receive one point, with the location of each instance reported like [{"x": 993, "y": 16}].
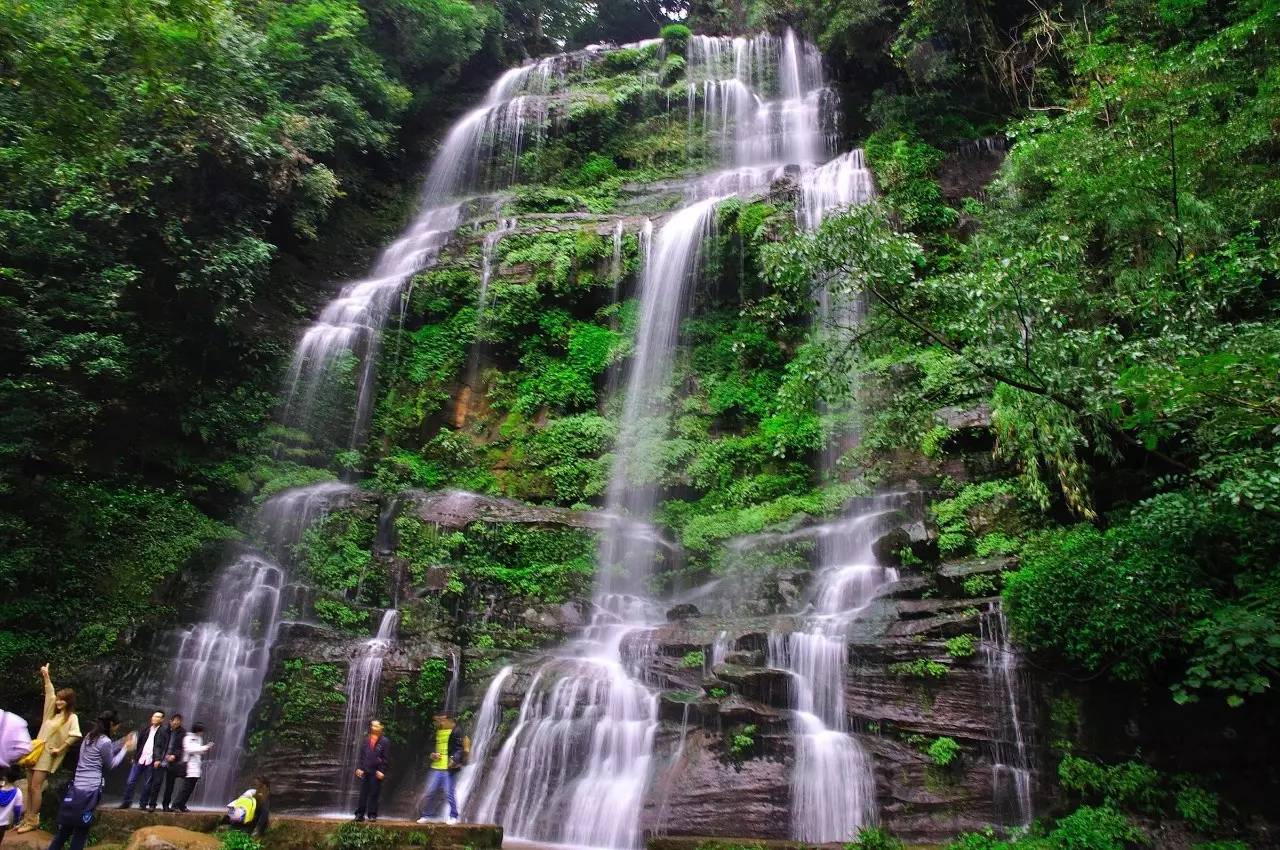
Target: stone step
[
  {"x": 292, "y": 832},
  {"x": 703, "y": 842}
]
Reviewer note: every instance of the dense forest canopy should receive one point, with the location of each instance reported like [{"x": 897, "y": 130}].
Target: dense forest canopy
[{"x": 185, "y": 182}]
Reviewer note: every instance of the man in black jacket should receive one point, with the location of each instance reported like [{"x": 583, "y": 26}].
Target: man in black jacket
[
  {"x": 371, "y": 769},
  {"x": 173, "y": 760},
  {"x": 153, "y": 740}
]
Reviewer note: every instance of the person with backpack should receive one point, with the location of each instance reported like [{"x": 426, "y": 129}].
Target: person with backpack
[
  {"x": 452, "y": 748},
  {"x": 251, "y": 811},
  {"x": 98, "y": 754},
  {"x": 194, "y": 748}
]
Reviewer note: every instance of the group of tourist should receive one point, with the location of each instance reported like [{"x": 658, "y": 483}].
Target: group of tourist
[
  {"x": 451, "y": 752},
  {"x": 162, "y": 755},
  {"x": 165, "y": 756}
]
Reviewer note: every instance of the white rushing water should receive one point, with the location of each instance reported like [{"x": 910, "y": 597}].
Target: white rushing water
[
  {"x": 832, "y": 787},
  {"x": 364, "y": 675},
  {"x": 1012, "y": 769},
  {"x": 217, "y": 667},
  {"x": 576, "y": 766},
  {"x": 577, "y": 763}
]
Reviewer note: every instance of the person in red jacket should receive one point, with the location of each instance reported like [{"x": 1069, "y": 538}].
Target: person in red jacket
[{"x": 371, "y": 769}]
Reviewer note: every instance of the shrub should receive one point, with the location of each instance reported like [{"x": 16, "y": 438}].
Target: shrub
[
  {"x": 341, "y": 616},
  {"x": 919, "y": 668},
  {"x": 944, "y": 751},
  {"x": 359, "y": 836},
  {"x": 743, "y": 741},
  {"x": 1089, "y": 828},
  {"x": 236, "y": 840},
  {"x": 675, "y": 38},
  {"x": 693, "y": 660},
  {"x": 962, "y": 646},
  {"x": 979, "y": 584},
  {"x": 875, "y": 838}
]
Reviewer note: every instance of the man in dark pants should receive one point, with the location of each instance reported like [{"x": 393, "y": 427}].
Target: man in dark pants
[
  {"x": 172, "y": 760},
  {"x": 371, "y": 767},
  {"x": 153, "y": 739}
]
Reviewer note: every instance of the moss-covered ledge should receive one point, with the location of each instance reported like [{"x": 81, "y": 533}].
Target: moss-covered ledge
[{"x": 287, "y": 832}]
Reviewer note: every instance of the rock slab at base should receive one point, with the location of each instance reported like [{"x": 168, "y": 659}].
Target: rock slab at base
[
  {"x": 118, "y": 826},
  {"x": 172, "y": 838}
]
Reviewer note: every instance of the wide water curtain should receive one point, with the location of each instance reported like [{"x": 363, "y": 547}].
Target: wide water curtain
[{"x": 576, "y": 764}]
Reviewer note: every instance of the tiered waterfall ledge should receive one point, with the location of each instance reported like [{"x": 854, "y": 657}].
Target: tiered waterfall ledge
[
  {"x": 697, "y": 842},
  {"x": 290, "y": 832}
]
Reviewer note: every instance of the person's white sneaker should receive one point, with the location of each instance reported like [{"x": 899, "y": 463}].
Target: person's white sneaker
[
  {"x": 452, "y": 821},
  {"x": 424, "y": 820}
]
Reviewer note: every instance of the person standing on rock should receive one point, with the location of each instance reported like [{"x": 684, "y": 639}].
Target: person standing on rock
[
  {"x": 153, "y": 739},
  {"x": 174, "y": 760},
  {"x": 371, "y": 769},
  {"x": 194, "y": 748},
  {"x": 98, "y": 754},
  {"x": 59, "y": 729},
  {"x": 450, "y": 756}
]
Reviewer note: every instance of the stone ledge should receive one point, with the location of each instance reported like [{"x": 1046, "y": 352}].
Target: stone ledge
[
  {"x": 290, "y": 832},
  {"x": 704, "y": 842}
]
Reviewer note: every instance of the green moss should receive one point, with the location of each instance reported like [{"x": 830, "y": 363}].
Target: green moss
[
  {"x": 962, "y": 646},
  {"x": 676, "y": 38},
  {"x": 919, "y": 668},
  {"x": 298, "y": 705},
  {"x": 695, "y": 660}
]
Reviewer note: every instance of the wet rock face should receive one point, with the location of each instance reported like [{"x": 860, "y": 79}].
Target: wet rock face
[
  {"x": 455, "y": 509},
  {"x": 896, "y": 705},
  {"x": 701, "y": 790}
]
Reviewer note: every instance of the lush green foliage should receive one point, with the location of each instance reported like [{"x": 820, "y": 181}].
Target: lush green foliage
[
  {"x": 1114, "y": 306},
  {"x": 875, "y": 838},
  {"x": 237, "y": 840},
  {"x": 297, "y": 706}
]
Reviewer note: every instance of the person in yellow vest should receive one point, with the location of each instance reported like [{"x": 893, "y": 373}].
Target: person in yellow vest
[
  {"x": 251, "y": 811},
  {"x": 58, "y": 731},
  {"x": 452, "y": 749}
]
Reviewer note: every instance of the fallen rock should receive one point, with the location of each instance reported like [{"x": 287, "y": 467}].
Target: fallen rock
[
  {"x": 682, "y": 612},
  {"x": 957, "y": 418},
  {"x": 172, "y": 838}
]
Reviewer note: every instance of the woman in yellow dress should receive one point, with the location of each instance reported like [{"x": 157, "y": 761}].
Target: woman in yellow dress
[{"x": 60, "y": 729}]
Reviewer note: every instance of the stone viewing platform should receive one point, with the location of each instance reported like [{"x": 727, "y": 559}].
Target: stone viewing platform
[
  {"x": 705, "y": 842},
  {"x": 138, "y": 830}
]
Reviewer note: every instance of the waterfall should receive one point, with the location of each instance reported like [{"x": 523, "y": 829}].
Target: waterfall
[
  {"x": 575, "y": 768},
  {"x": 451, "y": 690},
  {"x": 482, "y": 735},
  {"x": 576, "y": 765},
  {"x": 833, "y": 791},
  {"x": 217, "y": 667},
  {"x": 364, "y": 675},
  {"x": 1012, "y": 769}
]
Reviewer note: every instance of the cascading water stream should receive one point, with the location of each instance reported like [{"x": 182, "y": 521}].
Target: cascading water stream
[
  {"x": 1012, "y": 768},
  {"x": 364, "y": 675},
  {"x": 575, "y": 767},
  {"x": 217, "y": 666},
  {"x": 833, "y": 792}
]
